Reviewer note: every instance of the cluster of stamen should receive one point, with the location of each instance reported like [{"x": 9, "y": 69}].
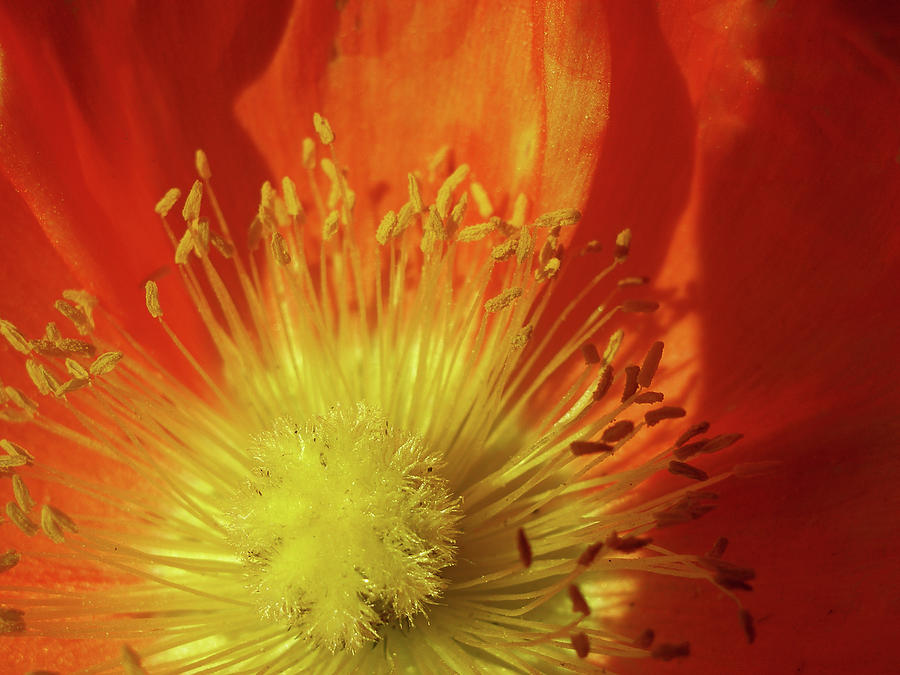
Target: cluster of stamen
[{"x": 436, "y": 322}]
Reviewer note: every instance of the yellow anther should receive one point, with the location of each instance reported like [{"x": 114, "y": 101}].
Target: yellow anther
[
  {"x": 202, "y": 164},
  {"x": 76, "y": 370},
  {"x": 184, "y": 248},
  {"x": 16, "y": 340},
  {"x": 623, "y": 245},
  {"x": 291, "y": 202},
  {"x": 21, "y": 493},
  {"x": 476, "y": 232},
  {"x": 415, "y": 194},
  {"x": 520, "y": 211},
  {"x": 386, "y": 228},
  {"x": 104, "y": 363},
  {"x": 502, "y": 300},
  {"x": 279, "y": 249},
  {"x": 191, "y": 209},
  {"x": 323, "y": 128},
  {"x": 308, "y": 154},
  {"x": 151, "y": 294},
  {"x": 482, "y": 200},
  {"x": 330, "y": 226},
  {"x": 164, "y": 205}
]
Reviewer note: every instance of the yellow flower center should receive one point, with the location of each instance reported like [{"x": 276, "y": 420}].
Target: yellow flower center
[{"x": 345, "y": 526}]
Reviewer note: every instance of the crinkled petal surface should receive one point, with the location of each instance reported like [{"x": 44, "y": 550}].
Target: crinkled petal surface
[{"x": 751, "y": 146}]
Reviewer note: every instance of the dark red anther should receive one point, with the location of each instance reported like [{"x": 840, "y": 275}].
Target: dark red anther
[{"x": 524, "y": 547}]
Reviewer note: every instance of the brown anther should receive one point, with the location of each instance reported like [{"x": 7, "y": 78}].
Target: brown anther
[
  {"x": 623, "y": 245},
  {"x": 748, "y": 625},
  {"x": 589, "y": 353},
  {"x": 45, "y": 347},
  {"x": 579, "y": 604},
  {"x": 688, "y": 471},
  {"x": 650, "y": 364},
  {"x": 330, "y": 225},
  {"x": 616, "y": 432},
  {"x": 691, "y": 449},
  {"x": 639, "y": 306},
  {"x": 76, "y": 347},
  {"x": 586, "y": 559},
  {"x": 548, "y": 251},
  {"x": 8, "y": 560},
  {"x": 75, "y": 315},
  {"x": 524, "y": 547},
  {"x": 728, "y": 574},
  {"x": 667, "y": 412},
  {"x": 693, "y": 430},
  {"x": 668, "y": 651},
  {"x": 626, "y": 544},
  {"x": 633, "y": 281},
  {"x": 131, "y": 662},
  {"x": 581, "y": 644},
  {"x": 721, "y": 442},
  {"x": 649, "y": 397},
  {"x": 631, "y": 382},
  {"x": 718, "y": 548},
  {"x": 689, "y": 507},
  {"x": 11, "y": 620},
  {"x": 589, "y": 448},
  {"x": 603, "y": 383},
  {"x": 20, "y": 519},
  {"x": 645, "y": 639},
  {"x": 279, "y": 249},
  {"x": 593, "y": 246}
]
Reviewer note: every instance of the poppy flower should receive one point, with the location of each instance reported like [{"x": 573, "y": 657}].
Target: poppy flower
[{"x": 748, "y": 147}]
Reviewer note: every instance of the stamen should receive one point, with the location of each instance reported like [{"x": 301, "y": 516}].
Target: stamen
[
  {"x": 258, "y": 544},
  {"x": 668, "y": 651}
]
